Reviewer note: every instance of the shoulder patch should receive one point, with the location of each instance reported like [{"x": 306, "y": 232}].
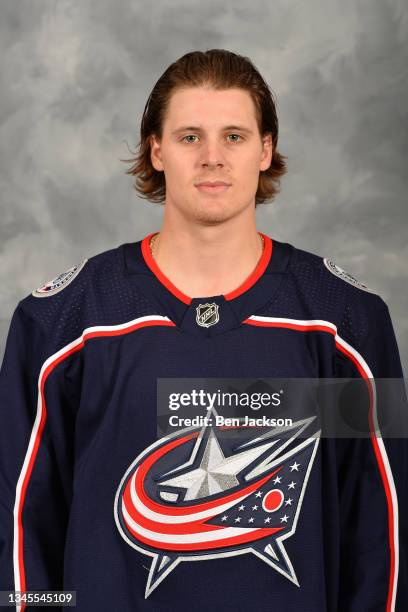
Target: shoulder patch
[
  {"x": 337, "y": 271},
  {"x": 59, "y": 282}
]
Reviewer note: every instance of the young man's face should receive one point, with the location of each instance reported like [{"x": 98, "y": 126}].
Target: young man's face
[{"x": 211, "y": 136}]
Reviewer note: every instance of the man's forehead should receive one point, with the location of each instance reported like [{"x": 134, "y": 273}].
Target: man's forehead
[{"x": 203, "y": 108}]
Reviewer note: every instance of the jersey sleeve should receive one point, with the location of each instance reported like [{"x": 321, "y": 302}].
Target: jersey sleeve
[
  {"x": 36, "y": 432},
  {"x": 373, "y": 480}
]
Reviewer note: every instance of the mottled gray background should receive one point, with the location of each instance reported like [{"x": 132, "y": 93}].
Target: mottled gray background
[{"x": 74, "y": 80}]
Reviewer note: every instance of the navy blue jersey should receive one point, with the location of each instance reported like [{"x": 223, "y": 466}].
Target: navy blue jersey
[{"x": 84, "y": 505}]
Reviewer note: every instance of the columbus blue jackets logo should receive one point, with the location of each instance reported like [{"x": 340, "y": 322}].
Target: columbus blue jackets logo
[
  {"x": 207, "y": 314},
  {"x": 337, "y": 271},
  {"x": 198, "y": 495},
  {"x": 59, "y": 282}
]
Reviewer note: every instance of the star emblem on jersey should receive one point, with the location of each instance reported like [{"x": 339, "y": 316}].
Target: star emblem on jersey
[
  {"x": 207, "y": 314},
  {"x": 196, "y": 495}
]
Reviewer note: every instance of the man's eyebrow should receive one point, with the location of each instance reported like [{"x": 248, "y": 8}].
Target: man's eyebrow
[{"x": 197, "y": 128}]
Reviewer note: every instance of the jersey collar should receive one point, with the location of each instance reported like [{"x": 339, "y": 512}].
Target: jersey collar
[
  {"x": 259, "y": 288},
  {"x": 245, "y": 286}
]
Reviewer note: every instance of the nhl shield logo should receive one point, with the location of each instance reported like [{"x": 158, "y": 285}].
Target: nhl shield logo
[{"x": 207, "y": 314}]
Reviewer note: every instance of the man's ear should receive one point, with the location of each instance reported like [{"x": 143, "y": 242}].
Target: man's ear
[
  {"x": 155, "y": 153},
  {"x": 267, "y": 151}
]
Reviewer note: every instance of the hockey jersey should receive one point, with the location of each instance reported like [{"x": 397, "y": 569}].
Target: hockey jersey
[{"x": 94, "y": 501}]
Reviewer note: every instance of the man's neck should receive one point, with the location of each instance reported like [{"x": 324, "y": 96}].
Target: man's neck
[{"x": 207, "y": 262}]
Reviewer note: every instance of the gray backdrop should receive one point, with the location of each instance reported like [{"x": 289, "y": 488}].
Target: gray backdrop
[{"x": 74, "y": 80}]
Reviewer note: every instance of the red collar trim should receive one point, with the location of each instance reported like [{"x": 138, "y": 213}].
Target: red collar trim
[
  {"x": 257, "y": 273},
  {"x": 247, "y": 284}
]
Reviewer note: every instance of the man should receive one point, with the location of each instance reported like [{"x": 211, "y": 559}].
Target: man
[{"x": 93, "y": 501}]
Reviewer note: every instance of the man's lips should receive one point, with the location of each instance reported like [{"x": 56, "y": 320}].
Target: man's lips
[{"x": 213, "y": 186}]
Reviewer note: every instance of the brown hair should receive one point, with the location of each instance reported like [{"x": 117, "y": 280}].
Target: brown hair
[{"x": 219, "y": 69}]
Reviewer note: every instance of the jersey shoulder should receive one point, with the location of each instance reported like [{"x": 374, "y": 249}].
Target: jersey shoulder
[
  {"x": 78, "y": 277},
  {"x": 323, "y": 273},
  {"x": 321, "y": 289},
  {"x": 90, "y": 293}
]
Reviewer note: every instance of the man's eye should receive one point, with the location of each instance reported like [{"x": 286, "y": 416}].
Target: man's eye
[
  {"x": 189, "y": 136},
  {"x": 235, "y": 135}
]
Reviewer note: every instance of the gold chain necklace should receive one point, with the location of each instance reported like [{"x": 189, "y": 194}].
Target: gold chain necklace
[{"x": 153, "y": 241}]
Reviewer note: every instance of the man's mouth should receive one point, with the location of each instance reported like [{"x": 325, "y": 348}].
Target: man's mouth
[{"x": 213, "y": 186}]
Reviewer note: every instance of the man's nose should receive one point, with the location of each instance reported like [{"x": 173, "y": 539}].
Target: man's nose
[{"x": 212, "y": 155}]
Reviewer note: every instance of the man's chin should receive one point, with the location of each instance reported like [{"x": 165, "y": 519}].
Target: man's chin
[
  {"x": 213, "y": 217},
  {"x": 214, "y": 214}
]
